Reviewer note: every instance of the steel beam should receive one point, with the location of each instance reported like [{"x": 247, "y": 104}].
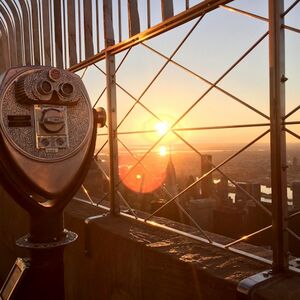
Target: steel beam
[
  {"x": 36, "y": 35},
  {"x": 188, "y": 15},
  {"x": 26, "y": 32},
  {"x": 10, "y": 34},
  {"x": 72, "y": 33},
  {"x": 167, "y": 9},
  {"x": 133, "y": 18},
  {"x": 46, "y": 31},
  {"x": 88, "y": 29},
  {"x": 4, "y": 52},
  {"x": 111, "y": 109},
  {"x": 277, "y": 135},
  {"x": 58, "y": 33},
  {"x": 19, "y": 30}
]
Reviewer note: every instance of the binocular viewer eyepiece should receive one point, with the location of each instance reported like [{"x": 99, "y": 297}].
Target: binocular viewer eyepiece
[{"x": 50, "y": 86}]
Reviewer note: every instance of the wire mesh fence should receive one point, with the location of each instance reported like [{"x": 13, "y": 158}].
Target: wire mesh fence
[
  {"x": 202, "y": 102},
  {"x": 202, "y": 91}
]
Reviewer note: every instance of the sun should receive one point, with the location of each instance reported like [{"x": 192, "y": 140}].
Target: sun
[
  {"x": 163, "y": 151},
  {"x": 162, "y": 127}
]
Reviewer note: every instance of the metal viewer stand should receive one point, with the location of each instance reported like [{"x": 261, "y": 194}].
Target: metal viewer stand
[{"x": 48, "y": 133}]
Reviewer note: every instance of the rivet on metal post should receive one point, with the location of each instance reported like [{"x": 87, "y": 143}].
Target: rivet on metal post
[{"x": 283, "y": 78}]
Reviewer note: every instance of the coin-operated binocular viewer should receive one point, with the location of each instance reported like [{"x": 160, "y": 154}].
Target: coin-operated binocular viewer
[{"x": 48, "y": 134}]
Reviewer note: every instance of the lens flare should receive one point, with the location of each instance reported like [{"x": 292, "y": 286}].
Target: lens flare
[
  {"x": 162, "y": 127},
  {"x": 144, "y": 178}
]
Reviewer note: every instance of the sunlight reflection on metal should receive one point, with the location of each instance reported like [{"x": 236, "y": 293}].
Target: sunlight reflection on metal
[
  {"x": 186, "y": 234},
  {"x": 87, "y": 194},
  {"x": 246, "y": 237}
]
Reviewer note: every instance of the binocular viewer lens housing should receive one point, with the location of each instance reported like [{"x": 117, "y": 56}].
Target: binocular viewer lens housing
[{"x": 52, "y": 87}]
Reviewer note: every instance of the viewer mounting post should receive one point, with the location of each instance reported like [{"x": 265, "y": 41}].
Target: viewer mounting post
[{"x": 278, "y": 138}]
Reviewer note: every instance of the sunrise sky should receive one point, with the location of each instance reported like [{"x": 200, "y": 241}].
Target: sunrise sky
[{"x": 217, "y": 42}]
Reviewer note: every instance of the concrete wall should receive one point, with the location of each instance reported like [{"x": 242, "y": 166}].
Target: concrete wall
[{"x": 118, "y": 258}]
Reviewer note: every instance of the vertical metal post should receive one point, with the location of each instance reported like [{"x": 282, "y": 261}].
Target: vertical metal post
[
  {"x": 112, "y": 132},
  {"x": 278, "y": 139},
  {"x": 111, "y": 108},
  {"x": 58, "y": 33},
  {"x": 72, "y": 33},
  {"x": 26, "y": 32},
  {"x": 36, "y": 34},
  {"x": 4, "y": 49},
  {"x": 46, "y": 31}
]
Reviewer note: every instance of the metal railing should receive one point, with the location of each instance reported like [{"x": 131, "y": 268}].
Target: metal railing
[{"x": 88, "y": 56}]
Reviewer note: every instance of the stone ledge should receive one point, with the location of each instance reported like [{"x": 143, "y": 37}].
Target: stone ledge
[
  {"x": 131, "y": 260},
  {"x": 127, "y": 259}
]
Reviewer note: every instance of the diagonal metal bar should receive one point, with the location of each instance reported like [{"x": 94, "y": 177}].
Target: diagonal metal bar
[
  {"x": 192, "y": 220},
  {"x": 136, "y": 102},
  {"x": 100, "y": 96},
  {"x": 137, "y": 132},
  {"x": 192, "y": 129},
  {"x": 291, "y": 123},
  {"x": 118, "y": 67},
  {"x": 82, "y": 75},
  {"x": 122, "y": 61},
  {"x": 246, "y": 237},
  {"x": 103, "y": 72},
  {"x": 130, "y": 95},
  {"x": 211, "y": 171},
  {"x": 169, "y": 194},
  {"x": 126, "y": 203},
  {"x": 222, "y": 127},
  {"x": 189, "y": 235},
  {"x": 292, "y": 133},
  {"x": 292, "y": 112},
  {"x": 141, "y": 159},
  {"x": 87, "y": 194},
  {"x": 161, "y": 69},
  {"x": 118, "y": 192},
  {"x": 101, "y": 148},
  {"x": 244, "y": 12},
  {"x": 207, "y": 81},
  {"x": 219, "y": 171},
  {"x": 232, "y": 181},
  {"x": 227, "y": 177},
  {"x": 245, "y": 54},
  {"x": 106, "y": 177},
  {"x": 252, "y": 15},
  {"x": 290, "y": 28},
  {"x": 293, "y": 233},
  {"x": 297, "y": 213},
  {"x": 290, "y": 8}
]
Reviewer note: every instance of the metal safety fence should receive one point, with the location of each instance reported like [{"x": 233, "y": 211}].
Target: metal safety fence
[{"x": 119, "y": 73}]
